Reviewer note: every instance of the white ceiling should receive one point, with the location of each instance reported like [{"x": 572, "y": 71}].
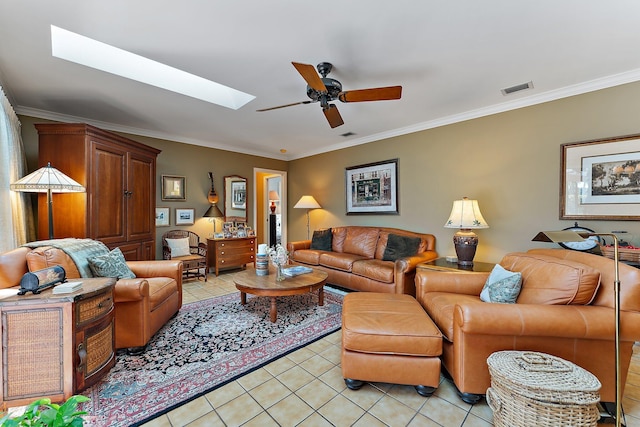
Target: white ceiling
[{"x": 451, "y": 57}]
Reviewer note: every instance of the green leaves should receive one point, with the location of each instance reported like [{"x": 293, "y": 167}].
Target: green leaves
[{"x": 46, "y": 414}]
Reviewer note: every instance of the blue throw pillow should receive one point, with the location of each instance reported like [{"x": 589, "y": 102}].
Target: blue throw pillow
[
  {"x": 112, "y": 264},
  {"x": 502, "y": 286}
]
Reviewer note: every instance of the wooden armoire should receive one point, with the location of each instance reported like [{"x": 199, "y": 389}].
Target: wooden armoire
[{"x": 119, "y": 175}]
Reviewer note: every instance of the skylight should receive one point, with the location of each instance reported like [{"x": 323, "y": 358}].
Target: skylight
[{"x": 101, "y": 56}]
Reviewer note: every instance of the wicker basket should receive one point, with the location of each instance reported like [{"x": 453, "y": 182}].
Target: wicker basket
[
  {"x": 624, "y": 254},
  {"x": 537, "y": 389}
]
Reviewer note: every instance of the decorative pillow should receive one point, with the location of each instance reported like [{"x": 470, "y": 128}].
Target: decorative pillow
[
  {"x": 400, "y": 247},
  {"x": 502, "y": 286},
  {"x": 322, "y": 240},
  {"x": 179, "y": 247},
  {"x": 111, "y": 265}
]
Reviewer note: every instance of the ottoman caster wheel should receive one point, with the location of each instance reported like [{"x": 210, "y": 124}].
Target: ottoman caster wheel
[
  {"x": 353, "y": 384},
  {"x": 470, "y": 398},
  {"x": 425, "y": 391}
]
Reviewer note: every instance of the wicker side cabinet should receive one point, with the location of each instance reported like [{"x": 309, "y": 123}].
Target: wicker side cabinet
[{"x": 55, "y": 345}]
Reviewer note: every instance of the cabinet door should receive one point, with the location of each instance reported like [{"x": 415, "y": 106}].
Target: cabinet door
[
  {"x": 140, "y": 198},
  {"x": 108, "y": 221}
]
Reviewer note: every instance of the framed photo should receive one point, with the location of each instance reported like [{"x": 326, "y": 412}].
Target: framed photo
[
  {"x": 162, "y": 217},
  {"x": 238, "y": 195},
  {"x": 185, "y": 216},
  {"x": 601, "y": 179},
  {"x": 372, "y": 188},
  {"x": 174, "y": 188}
]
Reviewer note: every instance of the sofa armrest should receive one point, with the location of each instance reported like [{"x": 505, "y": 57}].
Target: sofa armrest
[
  {"x": 295, "y": 246},
  {"x": 539, "y": 320},
  {"x": 164, "y": 268},
  {"x": 451, "y": 282},
  {"x": 127, "y": 290}
]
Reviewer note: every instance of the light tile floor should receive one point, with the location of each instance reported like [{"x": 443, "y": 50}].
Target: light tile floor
[{"x": 306, "y": 388}]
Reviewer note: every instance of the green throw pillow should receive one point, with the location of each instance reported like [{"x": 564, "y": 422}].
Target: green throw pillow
[
  {"x": 112, "y": 264},
  {"x": 400, "y": 247},
  {"x": 322, "y": 240},
  {"x": 502, "y": 286}
]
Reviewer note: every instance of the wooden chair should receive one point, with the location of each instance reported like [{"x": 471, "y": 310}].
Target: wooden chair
[{"x": 195, "y": 260}]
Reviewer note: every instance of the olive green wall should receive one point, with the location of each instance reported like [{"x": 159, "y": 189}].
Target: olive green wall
[
  {"x": 509, "y": 162},
  {"x": 191, "y": 161}
]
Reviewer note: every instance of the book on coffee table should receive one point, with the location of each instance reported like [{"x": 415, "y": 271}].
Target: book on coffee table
[{"x": 296, "y": 271}]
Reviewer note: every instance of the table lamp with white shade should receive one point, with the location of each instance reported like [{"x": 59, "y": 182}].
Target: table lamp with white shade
[{"x": 466, "y": 216}]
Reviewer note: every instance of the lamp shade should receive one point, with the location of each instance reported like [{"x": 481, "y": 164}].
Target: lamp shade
[
  {"x": 213, "y": 212},
  {"x": 307, "y": 202},
  {"x": 273, "y": 195},
  {"x": 465, "y": 214},
  {"x": 47, "y": 179}
]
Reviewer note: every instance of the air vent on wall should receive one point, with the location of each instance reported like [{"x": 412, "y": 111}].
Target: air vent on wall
[{"x": 517, "y": 88}]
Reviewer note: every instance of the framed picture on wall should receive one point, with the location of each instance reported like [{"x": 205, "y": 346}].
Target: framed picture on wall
[
  {"x": 174, "y": 188},
  {"x": 238, "y": 194},
  {"x": 162, "y": 217},
  {"x": 185, "y": 216},
  {"x": 601, "y": 179},
  {"x": 372, "y": 188}
]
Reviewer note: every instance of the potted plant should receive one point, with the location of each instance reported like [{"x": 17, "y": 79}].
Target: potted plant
[{"x": 44, "y": 413}]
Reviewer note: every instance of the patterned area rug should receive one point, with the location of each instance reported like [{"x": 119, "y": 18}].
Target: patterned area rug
[{"x": 208, "y": 344}]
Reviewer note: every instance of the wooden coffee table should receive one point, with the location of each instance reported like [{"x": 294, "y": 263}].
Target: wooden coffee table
[{"x": 248, "y": 282}]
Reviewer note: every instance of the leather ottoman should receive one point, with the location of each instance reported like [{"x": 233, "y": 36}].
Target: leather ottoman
[{"x": 389, "y": 338}]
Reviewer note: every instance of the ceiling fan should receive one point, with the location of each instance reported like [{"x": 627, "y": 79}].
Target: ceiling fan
[{"x": 324, "y": 90}]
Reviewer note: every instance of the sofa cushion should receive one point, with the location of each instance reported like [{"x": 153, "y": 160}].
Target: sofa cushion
[
  {"x": 551, "y": 280},
  {"x": 374, "y": 269},
  {"x": 361, "y": 241},
  {"x": 337, "y": 241},
  {"x": 321, "y": 240},
  {"x": 307, "y": 256},
  {"x": 339, "y": 261},
  {"x": 440, "y": 305},
  {"x": 400, "y": 247},
  {"x": 179, "y": 247},
  {"x": 502, "y": 286},
  {"x": 112, "y": 264},
  {"x": 48, "y": 256}
]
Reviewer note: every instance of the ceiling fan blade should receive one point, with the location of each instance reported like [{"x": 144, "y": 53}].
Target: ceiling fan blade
[
  {"x": 311, "y": 76},
  {"x": 286, "y": 105},
  {"x": 375, "y": 94},
  {"x": 333, "y": 116}
]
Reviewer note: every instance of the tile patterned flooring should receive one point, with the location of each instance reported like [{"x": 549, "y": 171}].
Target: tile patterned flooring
[{"x": 306, "y": 388}]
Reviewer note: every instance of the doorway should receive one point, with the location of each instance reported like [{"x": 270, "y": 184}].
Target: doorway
[{"x": 270, "y": 190}]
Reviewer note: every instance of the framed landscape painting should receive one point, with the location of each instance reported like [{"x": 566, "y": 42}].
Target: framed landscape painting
[
  {"x": 601, "y": 179},
  {"x": 372, "y": 188}
]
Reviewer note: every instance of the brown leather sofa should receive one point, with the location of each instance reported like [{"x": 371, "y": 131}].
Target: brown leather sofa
[
  {"x": 554, "y": 315},
  {"x": 142, "y": 305},
  {"x": 355, "y": 260}
]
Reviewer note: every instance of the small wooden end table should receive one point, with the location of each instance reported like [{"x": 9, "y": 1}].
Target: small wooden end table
[
  {"x": 247, "y": 282},
  {"x": 441, "y": 264}
]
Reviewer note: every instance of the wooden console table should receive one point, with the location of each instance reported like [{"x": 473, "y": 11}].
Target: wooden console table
[
  {"x": 55, "y": 345},
  {"x": 231, "y": 252}
]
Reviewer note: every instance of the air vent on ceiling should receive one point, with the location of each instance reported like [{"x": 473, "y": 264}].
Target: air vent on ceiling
[
  {"x": 517, "y": 88},
  {"x": 346, "y": 134}
]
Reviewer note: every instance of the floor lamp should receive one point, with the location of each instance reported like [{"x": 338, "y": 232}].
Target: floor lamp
[
  {"x": 307, "y": 202},
  {"x": 572, "y": 236},
  {"x": 47, "y": 180}
]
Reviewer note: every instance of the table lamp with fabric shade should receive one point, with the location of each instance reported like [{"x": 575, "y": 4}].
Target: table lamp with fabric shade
[
  {"x": 47, "y": 180},
  {"x": 564, "y": 236},
  {"x": 213, "y": 212},
  {"x": 307, "y": 202},
  {"x": 466, "y": 216},
  {"x": 273, "y": 196}
]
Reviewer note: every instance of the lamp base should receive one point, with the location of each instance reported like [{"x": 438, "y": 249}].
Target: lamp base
[
  {"x": 272, "y": 207},
  {"x": 465, "y": 242}
]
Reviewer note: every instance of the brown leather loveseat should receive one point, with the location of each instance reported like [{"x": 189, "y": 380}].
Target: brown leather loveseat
[
  {"x": 565, "y": 308},
  {"x": 374, "y": 259},
  {"x": 142, "y": 304}
]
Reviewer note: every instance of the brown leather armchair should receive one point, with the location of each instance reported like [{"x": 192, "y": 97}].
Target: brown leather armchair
[
  {"x": 142, "y": 305},
  {"x": 581, "y": 333}
]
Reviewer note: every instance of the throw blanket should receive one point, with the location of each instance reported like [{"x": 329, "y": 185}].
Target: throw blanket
[{"x": 80, "y": 250}]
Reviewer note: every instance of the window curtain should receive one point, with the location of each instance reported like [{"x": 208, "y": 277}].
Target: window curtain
[{"x": 16, "y": 212}]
